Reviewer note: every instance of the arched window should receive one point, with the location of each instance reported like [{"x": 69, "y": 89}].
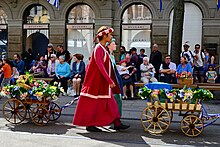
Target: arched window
[
  {"x": 192, "y": 26},
  {"x": 3, "y": 34},
  {"x": 136, "y": 28},
  {"x": 36, "y": 21},
  {"x": 37, "y": 14},
  {"x": 80, "y": 30}
]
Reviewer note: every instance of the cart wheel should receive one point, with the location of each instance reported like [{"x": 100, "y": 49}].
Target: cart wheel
[
  {"x": 40, "y": 116},
  {"x": 29, "y": 108},
  {"x": 198, "y": 114},
  {"x": 155, "y": 119},
  {"x": 55, "y": 111},
  {"x": 14, "y": 111},
  {"x": 192, "y": 125}
]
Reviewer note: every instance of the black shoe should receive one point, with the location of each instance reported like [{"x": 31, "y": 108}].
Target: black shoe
[
  {"x": 121, "y": 127},
  {"x": 93, "y": 129}
]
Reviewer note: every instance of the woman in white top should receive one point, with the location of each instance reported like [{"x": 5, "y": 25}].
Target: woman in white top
[{"x": 126, "y": 78}]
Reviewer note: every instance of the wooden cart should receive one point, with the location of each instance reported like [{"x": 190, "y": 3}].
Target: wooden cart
[
  {"x": 41, "y": 112},
  {"x": 157, "y": 116}
]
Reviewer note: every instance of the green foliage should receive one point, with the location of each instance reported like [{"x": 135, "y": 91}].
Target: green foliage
[{"x": 186, "y": 94}]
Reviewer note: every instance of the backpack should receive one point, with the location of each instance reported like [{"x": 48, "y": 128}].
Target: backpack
[{"x": 188, "y": 55}]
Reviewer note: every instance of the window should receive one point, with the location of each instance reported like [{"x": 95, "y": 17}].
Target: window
[
  {"x": 136, "y": 28},
  {"x": 80, "y": 29},
  {"x": 192, "y": 26},
  {"x": 3, "y": 34}
]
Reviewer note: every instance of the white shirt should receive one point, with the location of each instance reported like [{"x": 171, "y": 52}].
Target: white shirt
[
  {"x": 121, "y": 71},
  {"x": 199, "y": 62},
  {"x": 190, "y": 55},
  {"x": 172, "y": 66}
]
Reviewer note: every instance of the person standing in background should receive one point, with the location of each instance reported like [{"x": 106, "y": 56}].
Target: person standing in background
[
  {"x": 65, "y": 53},
  {"x": 6, "y": 69},
  {"x": 122, "y": 52},
  {"x": 198, "y": 64},
  {"x": 50, "y": 50},
  {"x": 156, "y": 60},
  {"x": 188, "y": 53},
  {"x": 27, "y": 57},
  {"x": 140, "y": 61}
]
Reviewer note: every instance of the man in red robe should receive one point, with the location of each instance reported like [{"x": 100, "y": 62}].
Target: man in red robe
[{"x": 97, "y": 106}]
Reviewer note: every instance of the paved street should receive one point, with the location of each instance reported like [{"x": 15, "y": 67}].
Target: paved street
[{"x": 63, "y": 133}]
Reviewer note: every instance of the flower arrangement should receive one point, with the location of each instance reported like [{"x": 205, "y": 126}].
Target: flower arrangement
[
  {"x": 182, "y": 75},
  {"x": 184, "y": 79},
  {"x": 27, "y": 88},
  {"x": 175, "y": 95}
]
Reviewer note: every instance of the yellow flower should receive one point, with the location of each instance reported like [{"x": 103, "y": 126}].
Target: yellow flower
[{"x": 39, "y": 93}]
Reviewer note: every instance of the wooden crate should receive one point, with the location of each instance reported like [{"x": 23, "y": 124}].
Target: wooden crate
[{"x": 181, "y": 106}]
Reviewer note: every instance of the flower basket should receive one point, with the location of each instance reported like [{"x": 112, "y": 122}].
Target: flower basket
[
  {"x": 27, "y": 88},
  {"x": 185, "y": 81},
  {"x": 183, "y": 96}
]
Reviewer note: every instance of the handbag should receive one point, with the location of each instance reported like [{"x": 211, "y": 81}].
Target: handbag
[
  {"x": 126, "y": 76},
  {"x": 38, "y": 74}
]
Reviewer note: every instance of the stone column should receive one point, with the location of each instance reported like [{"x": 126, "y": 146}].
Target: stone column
[
  {"x": 160, "y": 34},
  {"x": 14, "y": 37},
  {"x": 58, "y": 33}
]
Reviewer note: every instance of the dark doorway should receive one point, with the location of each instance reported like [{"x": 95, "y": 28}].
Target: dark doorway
[{"x": 39, "y": 43}]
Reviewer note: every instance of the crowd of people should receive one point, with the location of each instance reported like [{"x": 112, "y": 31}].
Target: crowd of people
[
  {"x": 105, "y": 81},
  {"x": 196, "y": 64},
  {"x": 53, "y": 64},
  {"x": 132, "y": 67}
]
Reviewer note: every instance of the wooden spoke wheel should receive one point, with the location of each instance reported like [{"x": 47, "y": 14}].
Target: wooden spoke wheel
[
  {"x": 40, "y": 115},
  {"x": 14, "y": 111},
  {"x": 155, "y": 119},
  {"x": 192, "y": 125},
  {"x": 55, "y": 111},
  {"x": 198, "y": 114},
  {"x": 29, "y": 108}
]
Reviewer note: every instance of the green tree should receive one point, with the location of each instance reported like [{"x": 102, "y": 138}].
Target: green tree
[{"x": 177, "y": 30}]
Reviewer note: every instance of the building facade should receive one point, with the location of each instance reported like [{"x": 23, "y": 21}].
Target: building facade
[{"x": 138, "y": 23}]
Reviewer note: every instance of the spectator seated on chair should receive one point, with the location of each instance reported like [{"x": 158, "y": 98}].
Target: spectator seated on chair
[
  {"x": 78, "y": 73},
  {"x": 39, "y": 67},
  {"x": 126, "y": 78},
  {"x": 51, "y": 67},
  {"x": 184, "y": 68},
  {"x": 147, "y": 71},
  {"x": 62, "y": 73},
  {"x": 168, "y": 70}
]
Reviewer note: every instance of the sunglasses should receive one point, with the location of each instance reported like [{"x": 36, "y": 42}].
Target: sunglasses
[{"x": 168, "y": 58}]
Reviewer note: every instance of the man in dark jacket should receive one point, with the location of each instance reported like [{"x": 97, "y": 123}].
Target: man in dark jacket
[{"x": 156, "y": 59}]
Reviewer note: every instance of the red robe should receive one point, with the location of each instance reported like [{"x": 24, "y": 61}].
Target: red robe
[{"x": 97, "y": 106}]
